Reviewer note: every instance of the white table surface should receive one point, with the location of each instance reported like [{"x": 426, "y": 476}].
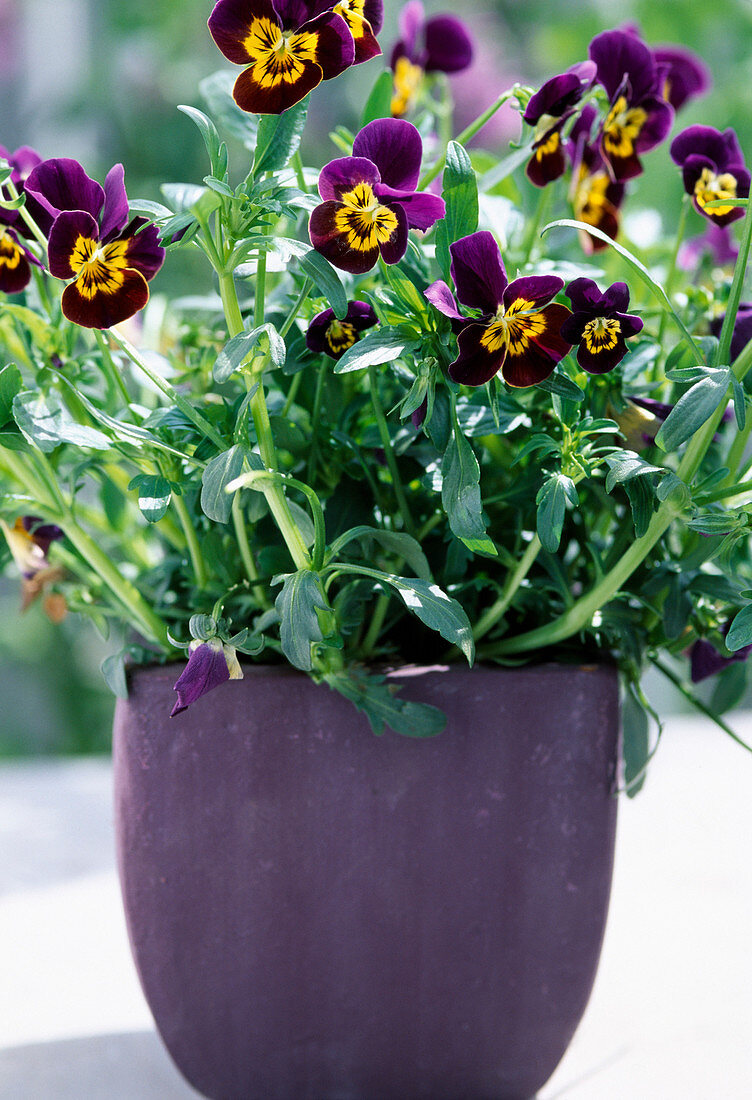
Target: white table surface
[{"x": 670, "y": 1017}]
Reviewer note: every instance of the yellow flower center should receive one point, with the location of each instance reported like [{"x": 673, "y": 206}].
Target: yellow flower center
[
  {"x": 364, "y": 221},
  {"x": 99, "y": 268},
  {"x": 10, "y": 252},
  {"x": 407, "y": 81},
  {"x": 622, "y": 128},
  {"x": 277, "y": 56},
  {"x": 340, "y": 336},
  {"x": 515, "y": 328},
  {"x": 548, "y": 147},
  {"x": 590, "y": 200},
  {"x": 601, "y": 334},
  {"x": 710, "y": 187}
]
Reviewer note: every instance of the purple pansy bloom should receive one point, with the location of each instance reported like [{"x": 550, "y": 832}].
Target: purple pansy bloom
[
  {"x": 684, "y": 75},
  {"x": 716, "y": 242},
  {"x": 210, "y": 664},
  {"x": 742, "y": 333},
  {"x": 92, "y": 243},
  {"x": 441, "y": 44},
  {"x": 599, "y": 324},
  {"x": 370, "y": 200},
  {"x": 21, "y": 162},
  {"x": 364, "y": 20},
  {"x": 287, "y": 47},
  {"x": 596, "y": 198},
  {"x": 333, "y": 337},
  {"x": 705, "y": 660},
  {"x": 29, "y": 541},
  {"x": 638, "y": 118},
  {"x": 518, "y": 332},
  {"x": 15, "y": 262},
  {"x": 551, "y": 106},
  {"x": 712, "y": 165}
]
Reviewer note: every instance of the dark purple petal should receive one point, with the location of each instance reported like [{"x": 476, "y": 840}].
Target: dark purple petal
[
  {"x": 42, "y": 533},
  {"x": 341, "y": 175},
  {"x": 62, "y": 184},
  {"x": 364, "y": 21},
  {"x": 601, "y": 358},
  {"x": 537, "y": 364},
  {"x": 144, "y": 252},
  {"x": 657, "y": 125},
  {"x": 279, "y": 96},
  {"x": 441, "y": 297},
  {"x": 478, "y": 271},
  {"x": 742, "y": 333},
  {"x": 686, "y": 76},
  {"x": 395, "y": 248},
  {"x": 422, "y": 209},
  {"x": 333, "y": 337},
  {"x": 539, "y": 289},
  {"x": 449, "y": 47},
  {"x": 412, "y": 20},
  {"x": 705, "y": 660},
  {"x": 68, "y": 229},
  {"x": 104, "y": 308},
  {"x": 351, "y": 241},
  {"x": 584, "y": 295},
  {"x": 548, "y": 162},
  {"x": 619, "y": 54},
  {"x": 206, "y": 669},
  {"x": 15, "y": 272},
  {"x": 335, "y": 47},
  {"x": 230, "y": 23},
  {"x": 115, "y": 212},
  {"x": 615, "y": 298},
  {"x": 716, "y": 241},
  {"x": 419, "y": 415},
  {"x": 476, "y": 364},
  {"x": 560, "y": 93},
  {"x": 721, "y": 149},
  {"x": 395, "y": 147}
]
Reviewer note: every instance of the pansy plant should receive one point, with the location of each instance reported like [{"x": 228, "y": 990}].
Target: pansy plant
[
  {"x": 713, "y": 168},
  {"x": 599, "y": 324},
  {"x": 440, "y": 44},
  {"x": 327, "y": 334},
  {"x": 547, "y": 111}
]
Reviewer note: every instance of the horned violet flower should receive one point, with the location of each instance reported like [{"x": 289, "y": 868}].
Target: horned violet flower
[
  {"x": 287, "y": 47},
  {"x": 638, "y": 118},
  {"x": 599, "y": 324},
  {"x": 518, "y": 332},
  {"x": 712, "y": 165},
  {"x": 548, "y": 110},
  {"x": 441, "y": 44},
  {"x": 370, "y": 200},
  {"x": 596, "y": 198},
  {"x": 210, "y": 663},
  {"x": 684, "y": 75},
  {"x": 108, "y": 259},
  {"x": 15, "y": 261},
  {"x": 333, "y": 337}
]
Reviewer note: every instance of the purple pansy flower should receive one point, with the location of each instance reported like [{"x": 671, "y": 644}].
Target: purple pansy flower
[
  {"x": 92, "y": 243},
  {"x": 15, "y": 262},
  {"x": 21, "y": 162},
  {"x": 599, "y": 324},
  {"x": 638, "y": 118},
  {"x": 685, "y": 76},
  {"x": 705, "y": 660},
  {"x": 370, "y": 200},
  {"x": 551, "y": 106},
  {"x": 742, "y": 333},
  {"x": 518, "y": 332},
  {"x": 210, "y": 664},
  {"x": 327, "y": 334},
  {"x": 364, "y": 20},
  {"x": 596, "y": 198},
  {"x": 712, "y": 165},
  {"x": 441, "y": 44},
  {"x": 716, "y": 242},
  {"x": 287, "y": 47},
  {"x": 29, "y": 541}
]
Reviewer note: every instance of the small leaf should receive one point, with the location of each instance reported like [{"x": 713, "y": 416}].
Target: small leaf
[
  {"x": 740, "y": 631},
  {"x": 383, "y": 705},
  {"x": 299, "y": 626},
  {"x": 10, "y": 384},
  {"x": 460, "y": 193},
  {"x": 551, "y": 500},
  {"x": 113, "y": 670},
  {"x": 558, "y": 384},
  {"x": 635, "y": 743},
  {"x": 279, "y": 138},
  {"x": 219, "y": 472},
  {"x": 383, "y": 346},
  {"x": 45, "y": 421},
  {"x": 154, "y": 494},
  {"x": 626, "y": 465},
  {"x": 692, "y": 410},
  {"x": 398, "y": 542},
  {"x": 208, "y": 132},
  {"x": 460, "y": 495},
  {"x": 379, "y": 102},
  {"x": 325, "y": 278},
  {"x": 217, "y": 92},
  {"x": 237, "y": 350}
]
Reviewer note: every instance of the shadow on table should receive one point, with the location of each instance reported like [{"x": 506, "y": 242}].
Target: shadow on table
[{"x": 102, "y": 1067}]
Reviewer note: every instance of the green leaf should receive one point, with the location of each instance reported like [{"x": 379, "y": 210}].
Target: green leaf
[
  {"x": 432, "y": 606},
  {"x": 625, "y": 465},
  {"x": 558, "y": 384},
  {"x": 10, "y": 384},
  {"x": 635, "y": 742},
  {"x": 219, "y": 472},
  {"x": 154, "y": 494},
  {"x": 460, "y": 495},
  {"x": 216, "y": 90},
  {"x": 407, "y": 292},
  {"x": 325, "y": 278},
  {"x": 740, "y": 631},
  {"x": 552, "y": 501},
  {"x": 382, "y": 705},
  {"x": 45, "y": 421},
  {"x": 299, "y": 626},
  {"x": 642, "y": 501},
  {"x": 279, "y": 138},
  {"x": 239, "y": 347},
  {"x": 729, "y": 688},
  {"x": 383, "y": 346},
  {"x": 460, "y": 193},
  {"x": 208, "y": 132},
  {"x": 379, "y": 102},
  {"x": 399, "y": 543},
  {"x": 113, "y": 670},
  {"x": 693, "y": 409}
]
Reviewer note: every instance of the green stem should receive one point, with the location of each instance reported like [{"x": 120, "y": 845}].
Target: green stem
[
  {"x": 495, "y": 612},
  {"x": 736, "y": 490},
  {"x": 698, "y": 703},
  {"x": 295, "y": 308},
  {"x": 468, "y": 133},
  {"x": 192, "y": 542},
  {"x": 386, "y": 442},
  {"x": 112, "y": 374},
  {"x": 26, "y": 216},
  {"x": 313, "y": 456},
  {"x": 377, "y": 621},
  {"x": 535, "y": 222},
  {"x": 292, "y": 393},
  {"x": 740, "y": 270},
  {"x": 241, "y": 534},
  {"x": 671, "y": 276}
]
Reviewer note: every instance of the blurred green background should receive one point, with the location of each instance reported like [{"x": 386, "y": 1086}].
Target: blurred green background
[{"x": 99, "y": 80}]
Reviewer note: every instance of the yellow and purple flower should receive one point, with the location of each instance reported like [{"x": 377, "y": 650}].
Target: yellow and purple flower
[
  {"x": 684, "y": 75},
  {"x": 548, "y": 110},
  {"x": 370, "y": 200},
  {"x": 15, "y": 262},
  {"x": 15, "y": 257},
  {"x": 638, "y": 118},
  {"x": 518, "y": 331},
  {"x": 596, "y": 197},
  {"x": 441, "y": 44},
  {"x": 210, "y": 663},
  {"x": 599, "y": 324},
  {"x": 29, "y": 541},
  {"x": 287, "y": 47},
  {"x": 712, "y": 165},
  {"x": 327, "y": 334},
  {"x": 108, "y": 259}
]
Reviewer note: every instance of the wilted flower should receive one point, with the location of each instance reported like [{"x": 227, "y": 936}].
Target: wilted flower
[
  {"x": 210, "y": 663},
  {"x": 288, "y": 48},
  {"x": 638, "y": 118},
  {"x": 596, "y": 198},
  {"x": 599, "y": 324},
  {"x": 92, "y": 243},
  {"x": 327, "y": 334},
  {"x": 440, "y": 44},
  {"x": 551, "y": 106},
  {"x": 712, "y": 165},
  {"x": 370, "y": 200},
  {"x": 518, "y": 332},
  {"x": 29, "y": 541}
]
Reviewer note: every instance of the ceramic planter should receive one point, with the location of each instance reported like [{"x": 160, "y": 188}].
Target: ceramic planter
[{"x": 320, "y": 914}]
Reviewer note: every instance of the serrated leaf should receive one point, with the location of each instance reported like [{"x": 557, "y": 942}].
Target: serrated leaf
[
  {"x": 383, "y": 346},
  {"x": 460, "y": 194},
  {"x": 299, "y": 626},
  {"x": 460, "y": 495},
  {"x": 219, "y": 472},
  {"x": 692, "y": 410},
  {"x": 325, "y": 278},
  {"x": 45, "y": 421},
  {"x": 278, "y": 138}
]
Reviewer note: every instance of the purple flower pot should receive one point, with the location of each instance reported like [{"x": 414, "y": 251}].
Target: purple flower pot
[{"x": 320, "y": 914}]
